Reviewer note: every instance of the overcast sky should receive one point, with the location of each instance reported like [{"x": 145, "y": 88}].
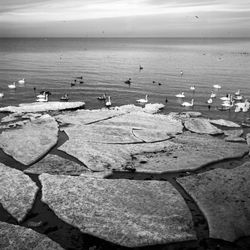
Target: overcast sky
[{"x": 124, "y": 18}]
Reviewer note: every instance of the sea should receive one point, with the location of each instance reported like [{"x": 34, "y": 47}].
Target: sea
[{"x": 53, "y": 64}]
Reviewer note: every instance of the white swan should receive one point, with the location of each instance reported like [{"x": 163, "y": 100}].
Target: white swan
[
  {"x": 242, "y": 106},
  {"x": 102, "y": 98},
  {"x": 181, "y": 95},
  {"x": 217, "y": 86},
  {"x": 228, "y": 101},
  {"x": 41, "y": 95},
  {"x": 238, "y": 97},
  {"x": 1, "y": 95},
  {"x": 64, "y": 98},
  {"x": 45, "y": 98},
  {"x": 143, "y": 100},
  {"x": 226, "y": 98},
  {"x": 12, "y": 86},
  {"x": 188, "y": 104},
  {"x": 108, "y": 102},
  {"x": 213, "y": 95},
  {"x": 247, "y": 106},
  {"x": 22, "y": 81},
  {"x": 192, "y": 88},
  {"x": 210, "y": 101},
  {"x": 228, "y": 104},
  {"x": 237, "y": 92}
]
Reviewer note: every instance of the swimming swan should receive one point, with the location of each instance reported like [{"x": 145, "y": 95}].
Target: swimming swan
[
  {"x": 181, "y": 95},
  {"x": 22, "y": 81},
  {"x": 143, "y": 100},
  {"x": 43, "y": 98},
  {"x": 188, "y": 104},
  {"x": 226, "y": 98},
  {"x": 108, "y": 102},
  {"x": 12, "y": 86},
  {"x": 217, "y": 86},
  {"x": 210, "y": 101},
  {"x": 213, "y": 95},
  {"x": 192, "y": 88}
]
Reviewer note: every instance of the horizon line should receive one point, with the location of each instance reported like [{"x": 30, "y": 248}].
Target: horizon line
[{"x": 127, "y": 37}]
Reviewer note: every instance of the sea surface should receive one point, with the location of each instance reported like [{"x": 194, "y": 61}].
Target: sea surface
[{"x": 105, "y": 63}]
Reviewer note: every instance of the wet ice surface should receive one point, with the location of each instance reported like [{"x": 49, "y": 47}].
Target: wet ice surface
[{"x": 49, "y": 220}]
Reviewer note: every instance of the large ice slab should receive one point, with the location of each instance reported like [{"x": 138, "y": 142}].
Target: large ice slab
[{"x": 125, "y": 212}]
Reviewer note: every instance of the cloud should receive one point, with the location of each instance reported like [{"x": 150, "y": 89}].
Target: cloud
[
  {"x": 15, "y": 5},
  {"x": 40, "y": 11},
  {"x": 123, "y": 16},
  {"x": 181, "y": 3}
]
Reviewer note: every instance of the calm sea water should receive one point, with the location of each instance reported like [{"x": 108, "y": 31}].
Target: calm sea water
[{"x": 52, "y": 64}]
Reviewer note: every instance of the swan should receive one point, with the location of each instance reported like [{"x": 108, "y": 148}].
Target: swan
[
  {"x": 41, "y": 95},
  {"x": 12, "y": 86},
  {"x": 108, "y": 102},
  {"x": 213, "y": 95},
  {"x": 237, "y": 92},
  {"x": 242, "y": 106},
  {"x": 226, "y": 98},
  {"x": 210, "y": 101},
  {"x": 188, "y": 104},
  {"x": 217, "y": 86},
  {"x": 228, "y": 104},
  {"x": 192, "y": 88},
  {"x": 180, "y": 95},
  {"x": 64, "y": 98},
  {"x": 247, "y": 106},
  {"x": 45, "y": 98},
  {"x": 143, "y": 100},
  {"x": 102, "y": 98},
  {"x": 238, "y": 97},
  {"x": 1, "y": 95},
  {"x": 181, "y": 73},
  {"x": 22, "y": 81}
]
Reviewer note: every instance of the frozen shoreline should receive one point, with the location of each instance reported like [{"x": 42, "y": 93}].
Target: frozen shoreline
[{"x": 163, "y": 151}]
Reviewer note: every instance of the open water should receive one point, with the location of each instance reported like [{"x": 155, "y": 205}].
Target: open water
[{"x": 105, "y": 63}]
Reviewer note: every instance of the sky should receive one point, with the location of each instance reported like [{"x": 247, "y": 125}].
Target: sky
[{"x": 124, "y": 18}]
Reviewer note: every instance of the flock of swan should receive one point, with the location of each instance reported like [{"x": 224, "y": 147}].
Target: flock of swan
[
  {"x": 229, "y": 101},
  {"x": 13, "y": 86},
  {"x": 108, "y": 102}
]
